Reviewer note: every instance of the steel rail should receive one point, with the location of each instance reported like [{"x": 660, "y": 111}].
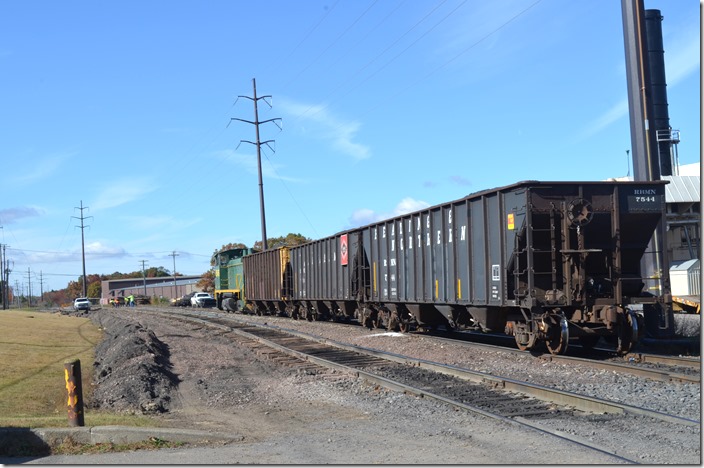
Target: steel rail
[
  {"x": 683, "y": 361},
  {"x": 580, "y": 402},
  {"x": 392, "y": 385},
  {"x": 625, "y": 367},
  {"x": 654, "y": 374}
]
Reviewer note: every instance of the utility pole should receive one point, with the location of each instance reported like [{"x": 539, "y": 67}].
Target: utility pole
[
  {"x": 41, "y": 286},
  {"x": 3, "y": 280},
  {"x": 144, "y": 277},
  {"x": 6, "y": 270},
  {"x": 29, "y": 288},
  {"x": 258, "y": 144},
  {"x": 174, "y": 255},
  {"x": 83, "y": 246}
]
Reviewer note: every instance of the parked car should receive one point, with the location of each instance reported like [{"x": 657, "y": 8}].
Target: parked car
[
  {"x": 202, "y": 299},
  {"x": 81, "y": 303},
  {"x": 183, "y": 301}
]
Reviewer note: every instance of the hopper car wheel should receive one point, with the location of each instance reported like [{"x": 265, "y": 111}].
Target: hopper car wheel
[
  {"x": 404, "y": 326},
  {"x": 525, "y": 338},
  {"x": 380, "y": 318},
  {"x": 365, "y": 318},
  {"x": 558, "y": 335},
  {"x": 394, "y": 322},
  {"x": 627, "y": 334}
]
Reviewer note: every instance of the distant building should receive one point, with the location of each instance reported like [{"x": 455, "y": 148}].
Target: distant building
[
  {"x": 683, "y": 199},
  {"x": 163, "y": 286}
]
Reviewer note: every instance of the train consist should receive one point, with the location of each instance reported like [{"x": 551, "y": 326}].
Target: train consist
[{"x": 545, "y": 262}]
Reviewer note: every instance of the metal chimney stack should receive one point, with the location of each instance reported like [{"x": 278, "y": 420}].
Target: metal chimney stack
[{"x": 660, "y": 119}]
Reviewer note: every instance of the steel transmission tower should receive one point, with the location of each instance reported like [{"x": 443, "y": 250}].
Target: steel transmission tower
[
  {"x": 258, "y": 144},
  {"x": 83, "y": 246}
]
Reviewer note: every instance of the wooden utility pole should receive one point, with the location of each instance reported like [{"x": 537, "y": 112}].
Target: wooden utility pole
[
  {"x": 173, "y": 273},
  {"x": 258, "y": 144},
  {"x": 144, "y": 277}
]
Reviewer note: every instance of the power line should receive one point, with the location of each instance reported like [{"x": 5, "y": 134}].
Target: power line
[
  {"x": 310, "y": 31},
  {"x": 332, "y": 43}
]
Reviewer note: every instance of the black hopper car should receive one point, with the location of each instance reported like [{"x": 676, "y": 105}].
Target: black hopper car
[{"x": 544, "y": 262}]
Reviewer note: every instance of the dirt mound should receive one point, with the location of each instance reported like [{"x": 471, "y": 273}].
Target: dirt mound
[{"x": 132, "y": 368}]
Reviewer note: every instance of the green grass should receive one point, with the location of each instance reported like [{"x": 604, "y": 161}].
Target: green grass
[{"x": 33, "y": 348}]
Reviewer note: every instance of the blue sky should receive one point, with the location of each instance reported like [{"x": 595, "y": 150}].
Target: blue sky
[{"x": 386, "y": 106}]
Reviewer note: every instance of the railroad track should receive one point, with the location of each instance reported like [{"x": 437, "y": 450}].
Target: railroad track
[
  {"x": 650, "y": 366},
  {"x": 513, "y": 401}
]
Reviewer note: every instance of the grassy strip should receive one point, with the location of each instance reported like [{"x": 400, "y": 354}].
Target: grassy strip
[
  {"x": 69, "y": 447},
  {"x": 33, "y": 348}
]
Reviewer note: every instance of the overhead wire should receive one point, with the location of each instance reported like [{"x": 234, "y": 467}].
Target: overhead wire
[
  {"x": 381, "y": 102},
  {"x": 309, "y": 32},
  {"x": 428, "y": 14},
  {"x": 291, "y": 195},
  {"x": 331, "y": 44},
  {"x": 408, "y": 31}
]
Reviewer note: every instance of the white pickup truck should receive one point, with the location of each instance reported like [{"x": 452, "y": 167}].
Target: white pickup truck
[{"x": 202, "y": 299}]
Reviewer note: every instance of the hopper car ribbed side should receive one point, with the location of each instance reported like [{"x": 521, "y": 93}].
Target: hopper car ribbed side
[{"x": 541, "y": 261}]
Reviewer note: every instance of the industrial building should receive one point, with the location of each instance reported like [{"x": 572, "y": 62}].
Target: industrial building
[{"x": 166, "y": 287}]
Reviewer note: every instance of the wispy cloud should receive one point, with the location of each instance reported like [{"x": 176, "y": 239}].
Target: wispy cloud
[
  {"x": 459, "y": 180},
  {"x": 365, "y": 216},
  {"x": 681, "y": 60},
  {"x": 337, "y": 132},
  {"x": 93, "y": 250},
  {"x": 248, "y": 161},
  {"x": 121, "y": 192},
  {"x": 682, "y": 54},
  {"x": 41, "y": 169},
  {"x": 613, "y": 114},
  {"x": 97, "y": 249},
  {"x": 160, "y": 223},
  {"x": 12, "y": 215},
  {"x": 455, "y": 179}
]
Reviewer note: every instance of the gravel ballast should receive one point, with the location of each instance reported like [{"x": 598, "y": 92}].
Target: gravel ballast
[{"x": 195, "y": 377}]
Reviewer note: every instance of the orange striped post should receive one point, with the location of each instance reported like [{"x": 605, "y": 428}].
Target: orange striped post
[{"x": 72, "y": 373}]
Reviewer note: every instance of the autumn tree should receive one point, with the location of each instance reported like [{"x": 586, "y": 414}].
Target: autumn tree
[
  {"x": 207, "y": 282},
  {"x": 290, "y": 240},
  {"x": 229, "y": 246},
  {"x": 57, "y": 298},
  {"x": 95, "y": 289}
]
